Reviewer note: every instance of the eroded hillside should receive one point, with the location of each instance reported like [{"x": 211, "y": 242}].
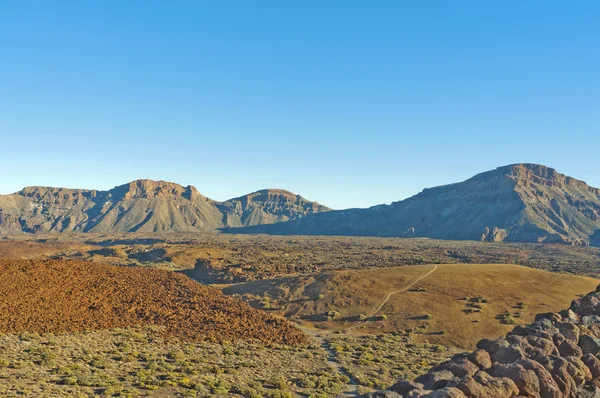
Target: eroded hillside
[{"x": 143, "y": 206}]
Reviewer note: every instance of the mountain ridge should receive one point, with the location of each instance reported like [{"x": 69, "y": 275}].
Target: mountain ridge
[
  {"x": 143, "y": 205},
  {"x": 522, "y": 202}
]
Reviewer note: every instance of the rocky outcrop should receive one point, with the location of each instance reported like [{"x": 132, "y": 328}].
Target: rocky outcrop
[
  {"x": 143, "y": 206},
  {"x": 556, "y": 356},
  {"x": 267, "y": 206}
]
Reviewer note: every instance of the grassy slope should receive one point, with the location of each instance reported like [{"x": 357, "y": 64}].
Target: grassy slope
[{"x": 355, "y": 292}]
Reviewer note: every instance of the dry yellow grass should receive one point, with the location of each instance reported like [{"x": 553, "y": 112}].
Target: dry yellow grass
[{"x": 445, "y": 310}]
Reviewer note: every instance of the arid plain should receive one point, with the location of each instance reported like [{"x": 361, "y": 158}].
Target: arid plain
[{"x": 345, "y": 314}]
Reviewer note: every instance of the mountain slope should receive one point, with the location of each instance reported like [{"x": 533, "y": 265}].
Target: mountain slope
[
  {"x": 267, "y": 206},
  {"x": 519, "y": 203},
  {"x": 143, "y": 206}
]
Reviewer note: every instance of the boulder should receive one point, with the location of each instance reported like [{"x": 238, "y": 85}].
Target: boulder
[
  {"x": 533, "y": 346},
  {"x": 569, "y": 315},
  {"x": 587, "y": 305},
  {"x": 569, "y": 330},
  {"x": 549, "y": 316},
  {"x": 459, "y": 366},
  {"x": 593, "y": 364},
  {"x": 558, "y": 367},
  {"x": 578, "y": 371},
  {"x": 508, "y": 354},
  {"x": 499, "y": 387},
  {"x": 492, "y": 346},
  {"x": 548, "y": 387},
  {"x": 526, "y": 380},
  {"x": 588, "y": 392},
  {"x": 589, "y": 344},
  {"x": 568, "y": 348},
  {"x": 446, "y": 392},
  {"x": 418, "y": 393},
  {"x": 402, "y": 387},
  {"x": 481, "y": 358},
  {"x": 438, "y": 378},
  {"x": 528, "y": 330}
]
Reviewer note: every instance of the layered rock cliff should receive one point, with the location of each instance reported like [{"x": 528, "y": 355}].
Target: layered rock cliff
[{"x": 144, "y": 206}]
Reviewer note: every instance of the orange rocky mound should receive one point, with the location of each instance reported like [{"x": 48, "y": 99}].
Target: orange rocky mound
[{"x": 67, "y": 296}]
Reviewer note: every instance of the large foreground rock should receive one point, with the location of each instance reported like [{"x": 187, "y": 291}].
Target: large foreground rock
[{"x": 556, "y": 356}]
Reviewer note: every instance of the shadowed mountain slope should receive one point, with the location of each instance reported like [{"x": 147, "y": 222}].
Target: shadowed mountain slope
[
  {"x": 517, "y": 203},
  {"x": 143, "y": 206}
]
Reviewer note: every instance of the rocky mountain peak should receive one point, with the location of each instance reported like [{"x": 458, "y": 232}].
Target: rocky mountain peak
[
  {"x": 50, "y": 194},
  {"x": 276, "y": 198},
  {"x": 518, "y": 203},
  {"x": 151, "y": 189},
  {"x": 528, "y": 173},
  {"x": 272, "y": 194}
]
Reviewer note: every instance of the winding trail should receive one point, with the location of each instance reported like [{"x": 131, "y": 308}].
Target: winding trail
[
  {"x": 351, "y": 389},
  {"x": 389, "y": 295}
]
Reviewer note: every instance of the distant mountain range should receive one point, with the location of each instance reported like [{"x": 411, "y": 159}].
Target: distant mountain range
[
  {"x": 516, "y": 203},
  {"x": 144, "y": 206}
]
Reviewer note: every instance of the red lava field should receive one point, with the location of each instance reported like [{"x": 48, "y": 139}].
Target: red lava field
[{"x": 66, "y": 296}]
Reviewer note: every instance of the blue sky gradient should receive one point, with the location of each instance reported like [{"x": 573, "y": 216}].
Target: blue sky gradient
[{"x": 349, "y": 103}]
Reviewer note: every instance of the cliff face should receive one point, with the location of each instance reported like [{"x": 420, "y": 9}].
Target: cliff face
[
  {"x": 556, "y": 356},
  {"x": 517, "y": 203},
  {"x": 267, "y": 207},
  {"x": 145, "y": 206}
]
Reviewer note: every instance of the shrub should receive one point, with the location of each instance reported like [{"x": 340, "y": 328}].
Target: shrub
[
  {"x": 176, "y": 356},
  {"x": 280, "y": 383},
  {"x": 68, "y": 380},
  {"x": 332, "y": 315}
]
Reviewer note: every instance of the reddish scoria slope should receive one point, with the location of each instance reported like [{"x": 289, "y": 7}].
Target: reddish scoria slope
[{"x": 66, "y": 296}]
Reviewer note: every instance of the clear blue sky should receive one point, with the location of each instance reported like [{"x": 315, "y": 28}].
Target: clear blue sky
[{"x": 350, "y": 103}]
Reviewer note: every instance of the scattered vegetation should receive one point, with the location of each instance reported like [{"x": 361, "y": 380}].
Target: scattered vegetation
[
  {"x": 462, "y": 300},
  {"x": 134, "y": 362},
  {"x": 239, "y": 258},
  {"x": 376, "y": 362}
]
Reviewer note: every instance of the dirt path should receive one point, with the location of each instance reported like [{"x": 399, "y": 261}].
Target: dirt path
[
  {"x": 351, "y": 389},
  {"x": 389, "y": 295}
]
